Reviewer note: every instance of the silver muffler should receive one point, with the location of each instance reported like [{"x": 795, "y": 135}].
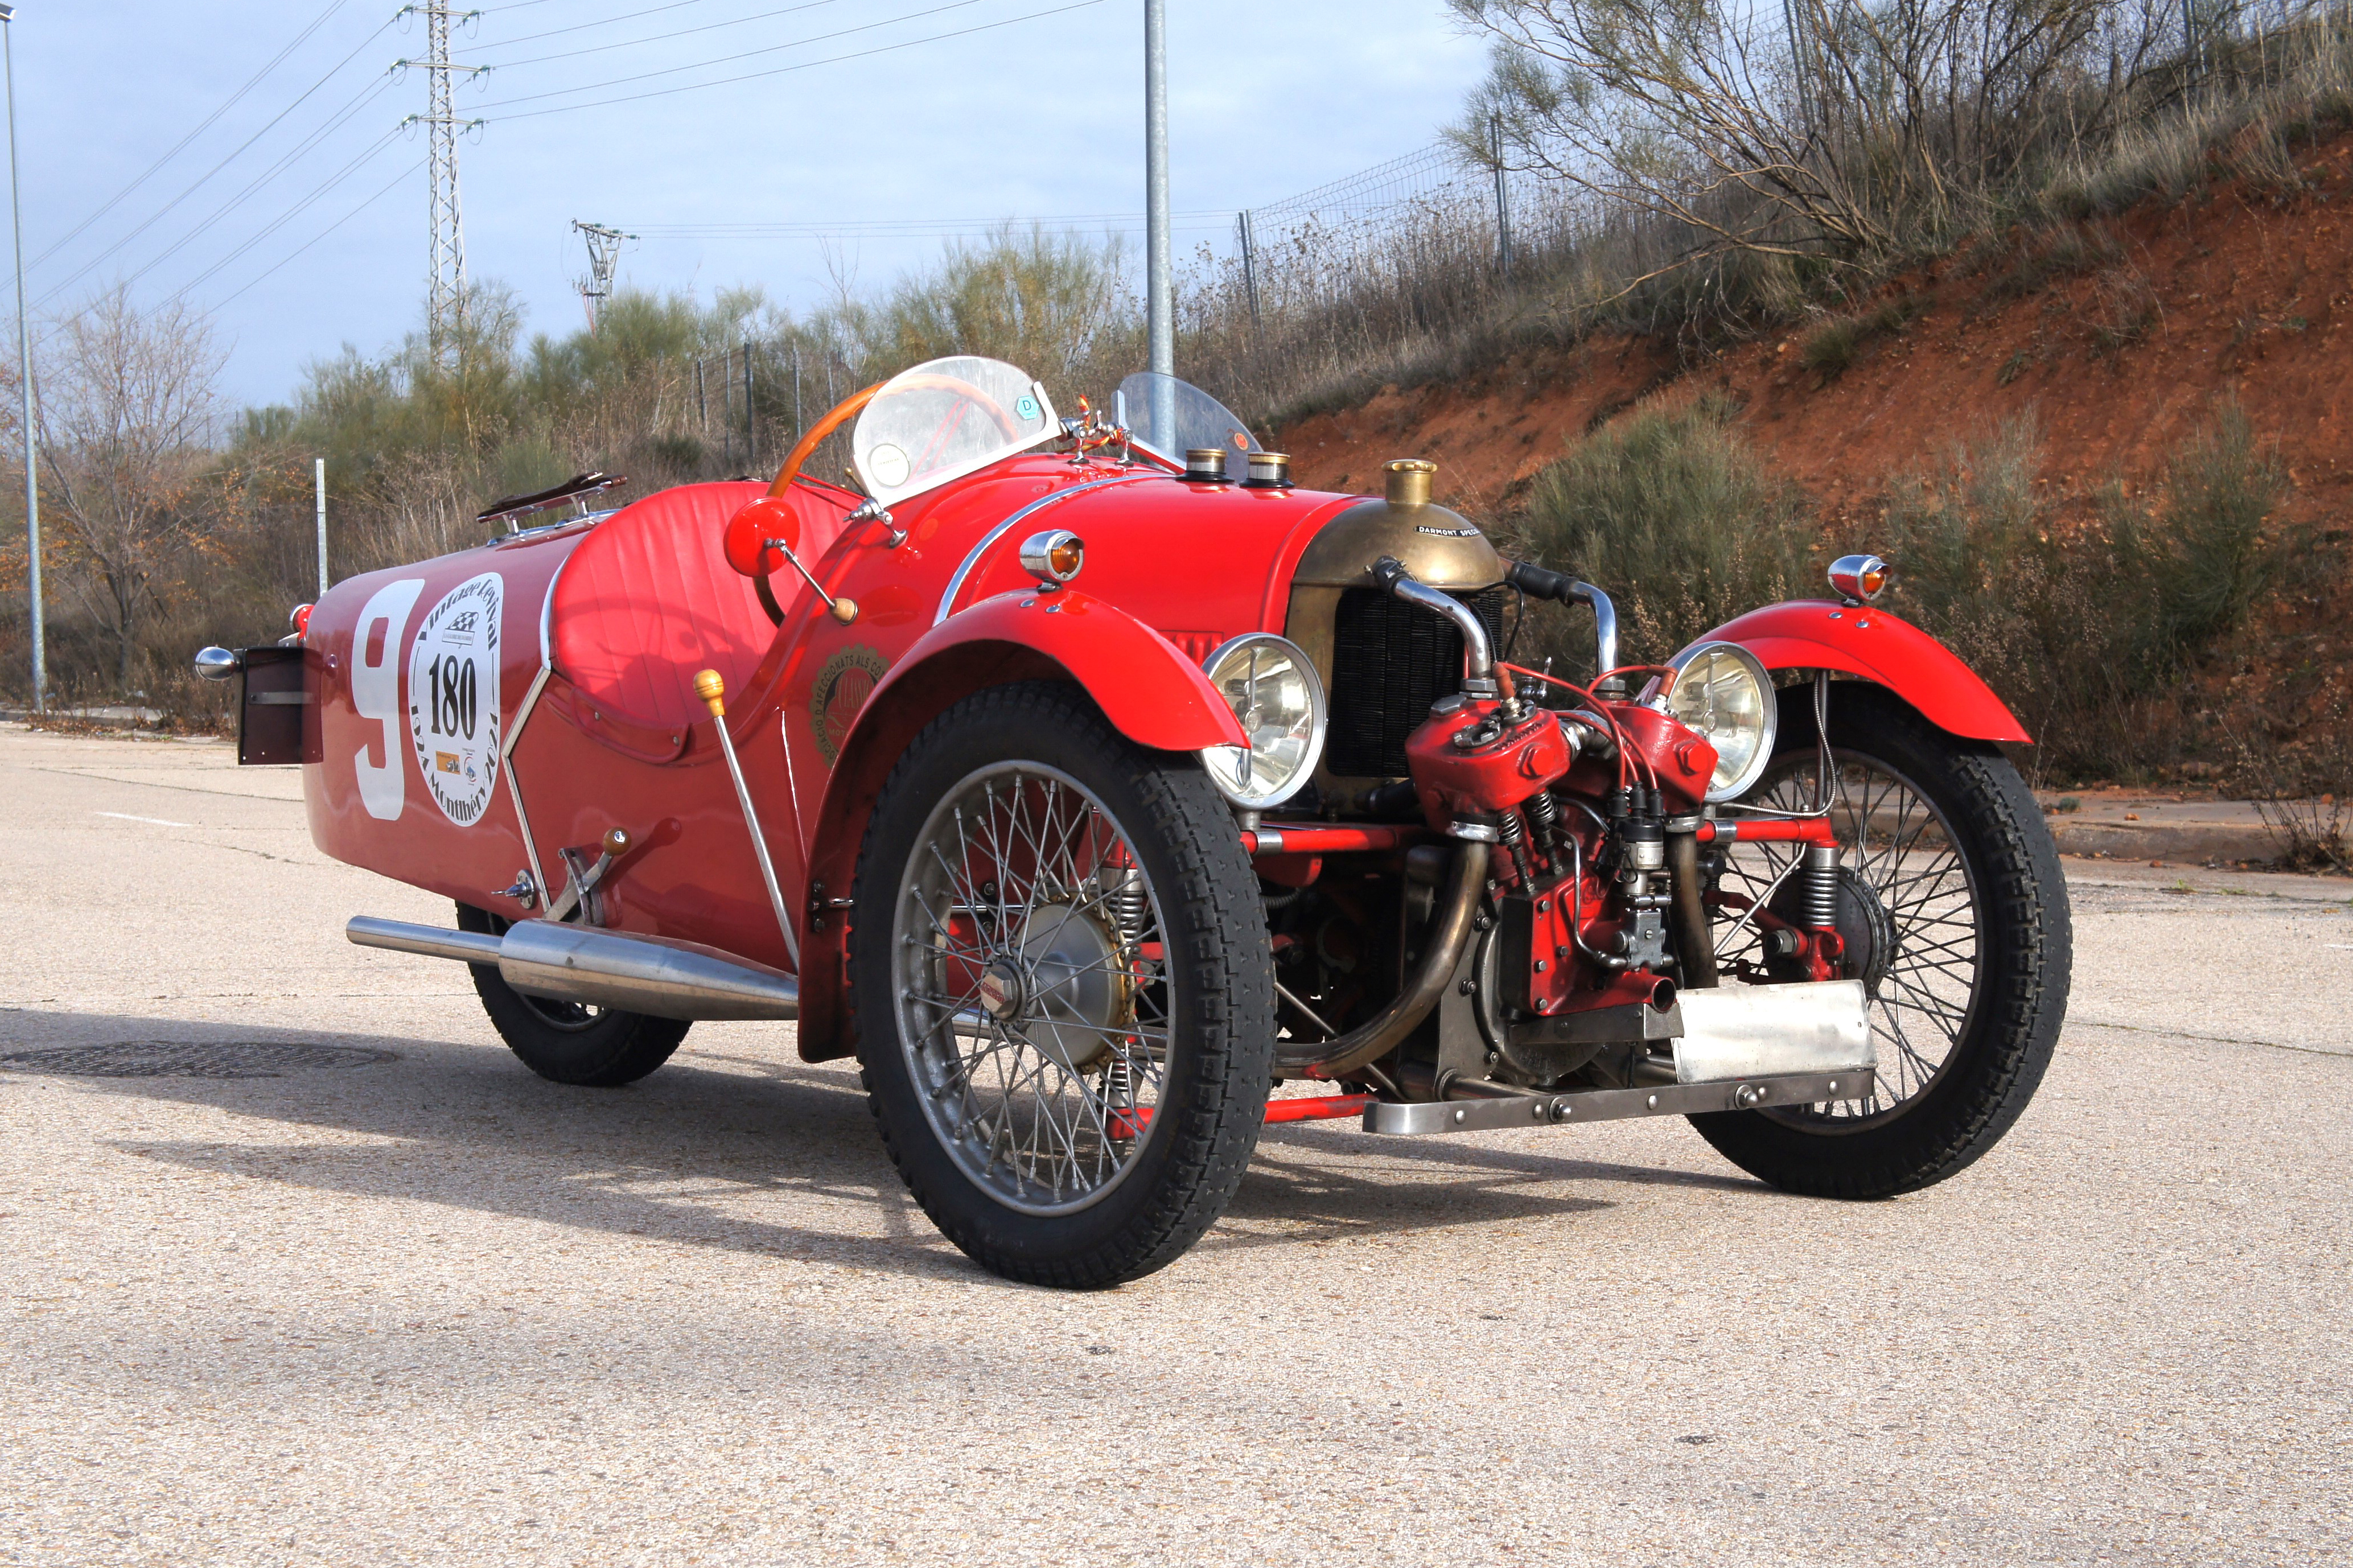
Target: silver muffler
[{"x": 652, "y": 975}]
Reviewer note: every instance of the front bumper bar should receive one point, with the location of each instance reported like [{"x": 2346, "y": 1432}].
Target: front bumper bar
[{"x": 1486, "y": 1114}]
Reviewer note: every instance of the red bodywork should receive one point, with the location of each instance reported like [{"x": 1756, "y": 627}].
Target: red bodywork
[
  {"x": 571, "y": 708},
  {"x": 1858, "y": 639}
]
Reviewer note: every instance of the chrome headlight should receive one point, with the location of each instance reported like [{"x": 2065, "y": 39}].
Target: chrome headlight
[
  {"x": 1278, "y": 700},
  {"x": 1722, "y": 692}
]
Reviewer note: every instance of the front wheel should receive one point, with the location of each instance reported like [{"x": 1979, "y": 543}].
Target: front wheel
[
  {"x": 1064, "y": 1001},
  {"x": 1953, "y": 914}
]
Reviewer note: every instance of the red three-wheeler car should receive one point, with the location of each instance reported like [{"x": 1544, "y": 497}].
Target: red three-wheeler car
[{"x": 1088, "y": 781}]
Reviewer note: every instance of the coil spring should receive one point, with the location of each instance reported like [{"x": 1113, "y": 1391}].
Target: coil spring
[
  {"x": 1516, "y": 839},
  {"x": 1129, "y": 903},
  {"x": 1821, "y": 876},
  {"x": 1543, "y": 818}
]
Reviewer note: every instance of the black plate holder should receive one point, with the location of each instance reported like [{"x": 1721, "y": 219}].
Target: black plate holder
[{"x": 269, "y": 722}]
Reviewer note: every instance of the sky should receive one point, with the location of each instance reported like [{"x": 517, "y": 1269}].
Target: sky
[{"x": 886, "y": 124}]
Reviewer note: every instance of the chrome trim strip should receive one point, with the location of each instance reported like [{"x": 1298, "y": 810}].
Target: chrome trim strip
[{"x": 956, "y": 584}]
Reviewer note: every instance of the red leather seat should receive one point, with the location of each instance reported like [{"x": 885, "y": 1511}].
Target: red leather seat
[{"x": 648, "y": 599}]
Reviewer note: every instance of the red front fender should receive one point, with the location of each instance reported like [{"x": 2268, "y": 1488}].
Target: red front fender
[
  {"x": 1145, "y": 686},
  {"x": 1813, "y": 634}
]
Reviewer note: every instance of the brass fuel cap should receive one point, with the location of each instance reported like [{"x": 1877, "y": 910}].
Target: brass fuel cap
[{"x": 1439, "y": 546}]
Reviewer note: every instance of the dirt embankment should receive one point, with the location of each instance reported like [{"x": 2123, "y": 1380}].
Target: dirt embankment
[{"x": 2114, "y": 337}]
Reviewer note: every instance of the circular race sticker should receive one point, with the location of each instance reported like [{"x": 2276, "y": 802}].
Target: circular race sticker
[{"x": 453, "y": 698}]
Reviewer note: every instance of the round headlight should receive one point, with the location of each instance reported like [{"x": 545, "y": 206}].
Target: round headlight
[
  {"x": 1722, "y": 692},
  {"x": 1279, "y": 702}
]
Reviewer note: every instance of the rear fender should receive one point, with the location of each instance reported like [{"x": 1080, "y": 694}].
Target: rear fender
[
  {"x": 1814, "y": 633},
  {"x": 1145, "y": 686}
]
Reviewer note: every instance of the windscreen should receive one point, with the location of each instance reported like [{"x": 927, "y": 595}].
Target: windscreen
[
  {"x": 1169, "y": 417},
  {"x": 945, "y": 419}
]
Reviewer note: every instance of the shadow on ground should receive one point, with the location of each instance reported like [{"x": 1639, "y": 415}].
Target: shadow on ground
[{"x": 716, "y": 1147}]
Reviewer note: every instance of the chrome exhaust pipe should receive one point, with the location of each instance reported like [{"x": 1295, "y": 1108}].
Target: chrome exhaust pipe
[
  {"x": 1450, "y": 934},
  {"x": 654, "y": 975}
]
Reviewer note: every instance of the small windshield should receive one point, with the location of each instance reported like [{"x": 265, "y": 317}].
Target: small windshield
[
  {"x": 943, "y": 420},
  {"x": 1168, "y": 418}
]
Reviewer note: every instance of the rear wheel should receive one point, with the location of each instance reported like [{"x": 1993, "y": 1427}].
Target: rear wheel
[
  {"x": 568, "y": 1042},
  {"x": 1064, "y": 999},
  {"x": 1952, "y": 912}
]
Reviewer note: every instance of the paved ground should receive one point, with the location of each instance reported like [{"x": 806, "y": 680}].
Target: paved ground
[{"x": 434, "y": 1310}]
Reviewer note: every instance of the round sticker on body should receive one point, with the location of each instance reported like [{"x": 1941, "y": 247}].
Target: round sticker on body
[{"x": 453, "y": 698}]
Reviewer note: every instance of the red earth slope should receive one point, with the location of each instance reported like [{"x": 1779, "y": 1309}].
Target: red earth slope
[{"x": 2234, "y": 291}]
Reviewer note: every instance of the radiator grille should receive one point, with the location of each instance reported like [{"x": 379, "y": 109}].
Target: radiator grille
[{"x": 1390, "y": 660}]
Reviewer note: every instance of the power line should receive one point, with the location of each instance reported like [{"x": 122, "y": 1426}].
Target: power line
[
  {"x": 324, "y": 233},
  {"x": 366, "y": 155},
  {"x": 720, "y": 60},
  {"x": 631, "y": 16},
  {"x": 201, "y": 126},
  {"x": 784, "y": 70},
  {"x": 334, "y": 123},
  {"x": 191, "y": 190}
]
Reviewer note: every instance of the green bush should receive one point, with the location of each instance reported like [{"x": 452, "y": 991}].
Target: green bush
[
  {"x": 2088, "y": 636},
  {"x": 1671, "y": 513}
]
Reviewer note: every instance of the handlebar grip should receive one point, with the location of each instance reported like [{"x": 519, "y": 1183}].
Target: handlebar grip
[{"x": 1541, "y": 583}]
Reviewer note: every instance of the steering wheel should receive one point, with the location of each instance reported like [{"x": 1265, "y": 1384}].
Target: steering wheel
[
  {"x": 754, "y": 533},
  {"x": 855, "y": 404}
]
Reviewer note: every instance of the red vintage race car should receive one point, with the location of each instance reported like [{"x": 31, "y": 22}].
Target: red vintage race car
[{"x": 1088, "y": 780}]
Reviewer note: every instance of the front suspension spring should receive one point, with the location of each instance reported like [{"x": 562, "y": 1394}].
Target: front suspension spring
[{"x": 1821, "y": 882}]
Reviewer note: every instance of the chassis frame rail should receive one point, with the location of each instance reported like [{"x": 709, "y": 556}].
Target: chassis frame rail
[{"x": 1486, "y": 1113}]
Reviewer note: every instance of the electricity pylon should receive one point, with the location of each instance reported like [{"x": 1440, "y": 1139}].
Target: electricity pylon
[
  {"x": 604, "y": 255},
  {"x": 446, "y": 245}
]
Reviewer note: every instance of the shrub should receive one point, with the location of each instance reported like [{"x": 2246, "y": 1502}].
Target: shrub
[
  {"x": 1831, "y": 347},
  {"x": 1671, "y": 513},
  {"x": 2088, "y": 637}
]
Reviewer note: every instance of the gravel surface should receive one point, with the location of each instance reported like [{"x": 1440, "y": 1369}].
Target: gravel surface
[{"x": 402, "y": 1301}]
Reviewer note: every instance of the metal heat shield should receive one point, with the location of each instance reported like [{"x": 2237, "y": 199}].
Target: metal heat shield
[{"x": 1764, "y": 1031}]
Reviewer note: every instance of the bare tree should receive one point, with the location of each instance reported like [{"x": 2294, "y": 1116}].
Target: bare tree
[
  {"x": 129, "y": 404},
  {"x": 1838, "y": 129}
]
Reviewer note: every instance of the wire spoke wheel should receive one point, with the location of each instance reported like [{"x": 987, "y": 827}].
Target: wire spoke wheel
[
  {"x": 1951, "y": 910},
  {"x": 1063, "y": 987},
  {"x": 1029, "y": 966},
  {"x": 1909, "y": 909}
]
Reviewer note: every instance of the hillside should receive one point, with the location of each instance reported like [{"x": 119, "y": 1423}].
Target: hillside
[{"x": 2114, "y": 336}]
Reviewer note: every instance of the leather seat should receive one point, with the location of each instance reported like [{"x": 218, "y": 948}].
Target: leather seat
[{"x": 648, "y": 600}]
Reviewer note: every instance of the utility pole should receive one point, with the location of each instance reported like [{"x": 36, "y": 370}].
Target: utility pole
[
  {"x": 319, "y": 469},
  {"x": 25, "y": 380},
  {"x": 604, "y": 255},
  {"x": 1158, "y": 263},
  {"x": 446, "y": 248},
  {"x": 1249, "y": 242},
  {"x": 1503, "y": 197}
]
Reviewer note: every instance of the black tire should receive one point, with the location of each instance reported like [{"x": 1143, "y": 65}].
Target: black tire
[
  {"x": 2001, "y": 1042},
  {"x": 591, "y": 1048},
  {"x": 943, "y": 1053}
]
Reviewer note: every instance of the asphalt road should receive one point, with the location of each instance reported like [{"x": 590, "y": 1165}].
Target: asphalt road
[{"x": 434, "y": 1310}]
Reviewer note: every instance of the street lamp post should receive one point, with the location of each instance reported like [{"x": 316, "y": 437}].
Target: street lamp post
[
  {"x": 24, "y": 375},
  {"x": 1159, "y": 285}
]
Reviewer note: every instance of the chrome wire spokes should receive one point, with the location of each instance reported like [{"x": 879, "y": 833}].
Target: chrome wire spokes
[
  {"x": 1899, "y": 851},
  {"x": 1031, "y": 974}
]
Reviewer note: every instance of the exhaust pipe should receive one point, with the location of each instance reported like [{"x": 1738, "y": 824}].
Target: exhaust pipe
[{"x": 651, "y": 975}]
